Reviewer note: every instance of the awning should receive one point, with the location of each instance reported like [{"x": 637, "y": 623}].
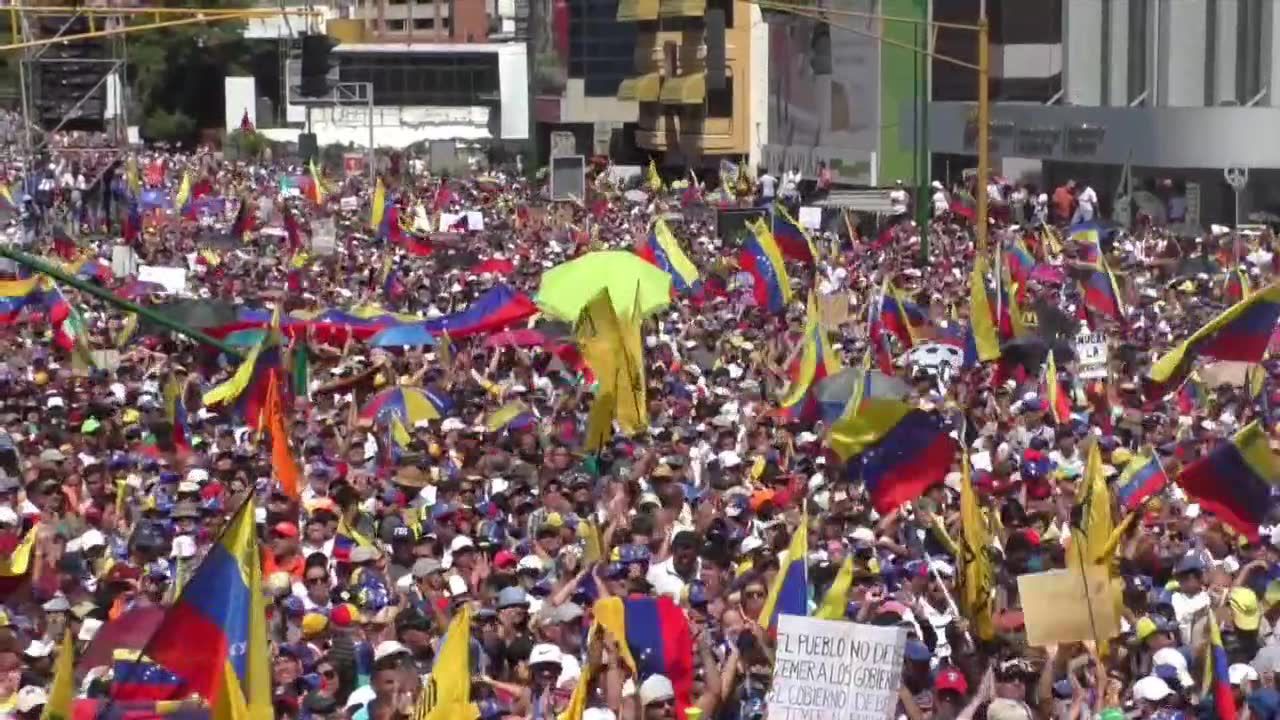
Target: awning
[
  {"x": 633, "y": 10},
  {"x": 641, "y": 89},
  {"x": 687, "y": 90},
  {"x": 683, "y": 8}
]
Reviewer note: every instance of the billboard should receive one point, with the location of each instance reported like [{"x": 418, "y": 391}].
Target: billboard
[{"x": 824, "y": 95}]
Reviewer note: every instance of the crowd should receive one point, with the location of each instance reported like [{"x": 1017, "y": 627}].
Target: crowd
[{"x": 119, "y": 483}]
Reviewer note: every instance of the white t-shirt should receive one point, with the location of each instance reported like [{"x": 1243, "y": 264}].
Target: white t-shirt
[
  {"x": 768, "y": 185},
  {"x": 1087, "y": 200}
]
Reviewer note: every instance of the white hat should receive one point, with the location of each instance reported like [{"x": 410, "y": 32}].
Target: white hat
[
  {"x": 197, "y": 475},
  {"x": 729, "y": 458},
  {"x": 544, "y": 653},
  {"x": 750, "y": 543},
  {"x": 1172, "y": 657},
  {"x": 460, "y": 542},
  {"x": 655, "y": 688},
  {"x": 31, "y": 697},
  {"x": 387, "y": 648},
  {"x": 1151, "y": 689},
  {"x": 9, "y": 517},
  {"x": 530, "y": 562},
  {"x": 1240, "y": 672},
  {"x": 91, "y": 538},
  {"x": 451, "y": 424}
]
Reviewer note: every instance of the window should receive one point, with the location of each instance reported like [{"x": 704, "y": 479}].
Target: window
[
  {"x": 454, "y": 79},
  {"x": 424, "y": 23},
  {"x": 720, "y": 102},
  {"x": 1248, "y": 50},
  {"x": 395, "y": 26},
  {"x": 1139, "y": 37},
  {"x": 601, "y": 49}
]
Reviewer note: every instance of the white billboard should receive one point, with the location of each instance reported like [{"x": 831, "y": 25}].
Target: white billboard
[{"x": 241, "y": 98}]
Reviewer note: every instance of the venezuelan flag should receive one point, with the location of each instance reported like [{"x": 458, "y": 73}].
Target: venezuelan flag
[
  {"x": 1216, "y": 680},
  {"x": 901, "y": 317},
  {"x": 246, "y": 390},
  {"x": 1088, "y": 240},
  {"x": 1143, "y": 477},
  {"x": 497, "y": 308},
  {"x": 1241, "y": 333},
  {"x": 176, "y": 409},
  {"x": 182, "y": 201},
  {"x": 1059, "y": 401},
  {"x": 18, "y": 295},
  {"x": 1234, "y": 480},
  {"x": 982, "y": 328},
  {"x": 214, "y": 637},
  {"x": 789, "y": 594},
  {"x": 663, "y": 250},
  {"x": 898, "y": 451},
  {"x": 317, "y": 183},
  {"x": 653, "y": 638},
  {"x": 793, "y": 240},
  {"x": 132, "y": 229},
  {"x": 761, "y": 257},
  {"x": 816, "y": 362},
  {"x": 1102, "y": 293},
  {"x": 346, "y": 539},
  {"x": 1020, "y": 261},
  {"x": 136, "y": 678}
]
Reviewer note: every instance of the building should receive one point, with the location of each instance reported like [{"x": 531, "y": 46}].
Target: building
[
  {"x": 439, "y": 70},
  {"x": 582, "y": 54},
  {"x": 838, "y": 95},
  {"x": 1167, "y": 91},
  {"x": 692, "y": 114}
]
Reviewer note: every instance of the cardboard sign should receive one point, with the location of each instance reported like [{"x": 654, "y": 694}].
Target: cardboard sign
[
  {"x": 810, "y": 217},
  {"x": 1057, "y": 609},
  {"x": 832, "y": 670},
  {"x": 1091, "y": 355},
  {"x": 349, "y": 204},
  {"x": 833, "y": 310},
  {"x": 324, "y": 237},
  {"x": 172, "y": 279}
]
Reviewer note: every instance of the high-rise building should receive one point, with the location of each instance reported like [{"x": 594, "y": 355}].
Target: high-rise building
[{"x": 1157, "y": 95}]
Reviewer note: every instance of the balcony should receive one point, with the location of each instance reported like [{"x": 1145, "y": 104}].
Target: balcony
[
  {"x": 683, "y": 8},
  {"x": 644, "y": 88},
  {"x": 687, "y": 90},
  {"x": 637, "y": 10}
]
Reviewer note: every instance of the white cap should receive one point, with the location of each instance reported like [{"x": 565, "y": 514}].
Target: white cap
[
  {"x": 1173, "y": 658},
  {"x": 656, "y": 688},
  {"x": 387, "y": 648},
  {"x": 1151, "y": 689},
  {"x": 1241, "y": 672},
  {"x": 31, "y": 697},
  {"x": 750, "y": 543},
  {"x": 91, "y": 538},
  {"x": 544, "y": 653},
  {"x": 530, "y": 562},
  {"x": 197, "y": 475},
  {"x": 451, "y": 424},
  {"x": 460, "y": 542}
]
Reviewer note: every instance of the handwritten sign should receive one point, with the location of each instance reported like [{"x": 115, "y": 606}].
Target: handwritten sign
[
  {"x": 829, "y": 670},
  {"x": 1079, "y": 608},
  {"x": 1091, "y": 353}
]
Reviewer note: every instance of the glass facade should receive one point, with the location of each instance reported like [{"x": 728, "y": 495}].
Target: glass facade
[
  {"x": 439, "y": 79},
  {"x": 601, "y": 49}
]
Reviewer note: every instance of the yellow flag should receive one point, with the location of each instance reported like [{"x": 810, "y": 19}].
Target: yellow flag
[
  {"x": 612, "y": 348},
  {"x": 444, "y": 350},
  {"x": 449, "y": 687},
  {"x": 835, "y": 603},
  {"x": 19, "y": 561},
  {"x": 978, "y": 573},
  {"x": 399, "y": 433},
  {"x": 63, "y": 690},
  {"x": 378, "y": 205},
  {"x": 1091, "y": 537},
  {"x": 599, "y": 422}
]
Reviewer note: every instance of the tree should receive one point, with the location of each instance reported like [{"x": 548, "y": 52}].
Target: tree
[{"x": 176, "y": 73}]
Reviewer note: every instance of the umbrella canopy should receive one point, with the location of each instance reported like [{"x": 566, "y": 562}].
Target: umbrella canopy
[
  {"x": 835, "y": 391},
  {"x": 634, "y": 285},
  {"x": 412, "y": 335},
  {"x": 409, "y": 403}
]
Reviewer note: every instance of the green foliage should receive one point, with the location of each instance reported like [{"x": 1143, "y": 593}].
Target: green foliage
[
  {"x": 176, "y": 73},
  {"x": 245, "y": 145}
]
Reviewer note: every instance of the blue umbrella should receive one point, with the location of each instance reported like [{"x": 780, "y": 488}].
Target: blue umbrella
[{"x": 410, "y": 334}]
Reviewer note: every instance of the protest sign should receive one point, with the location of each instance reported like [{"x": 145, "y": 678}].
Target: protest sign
[
  {"x": 1091, "y": 354},
  {"x": 324, "y": 237},
  {"x": 1056, "y": 608},
  {"x": 172, "y": 279},
  {"x": 830, "y": 670},
  {"x": 810, "y": 217}
]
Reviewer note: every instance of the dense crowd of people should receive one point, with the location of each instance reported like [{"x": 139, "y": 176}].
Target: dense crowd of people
[{"x": 117, "y": 480}]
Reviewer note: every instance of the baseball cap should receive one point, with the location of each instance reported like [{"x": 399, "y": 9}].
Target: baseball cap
[
  {"x": 512, "y": 597},
  {"x": 30, "y": 698},
  {"x": 387, "y": 648},
  {"x": 544, "y": 654},
  {"x": 656, "y": 688},
  {"x": 951, "y": 679},
  {"x": 424, "y": 567},
  {"x": 1151, "y": 689},
  {"x": 1245, "y": 613}
]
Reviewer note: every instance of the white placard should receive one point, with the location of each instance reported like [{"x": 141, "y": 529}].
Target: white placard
[
  {"x": 349, "y": 204},
  {"x": 1091, "y": 355},
  {"x": 475, "y": 220},
  {"x": 448, "y": 220},
  {"x": 833, "y": 670},
  {"x": 172, "y": 279},
  {"x": 124, "y": 262},
  {"x": 810, "y": 217},
  {"x": 324, "y": 236}
]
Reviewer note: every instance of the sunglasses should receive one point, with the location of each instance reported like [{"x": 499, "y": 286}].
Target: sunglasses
[
  {"x": 754, "y": 594},
  {"x": 317, "y": 580}
]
